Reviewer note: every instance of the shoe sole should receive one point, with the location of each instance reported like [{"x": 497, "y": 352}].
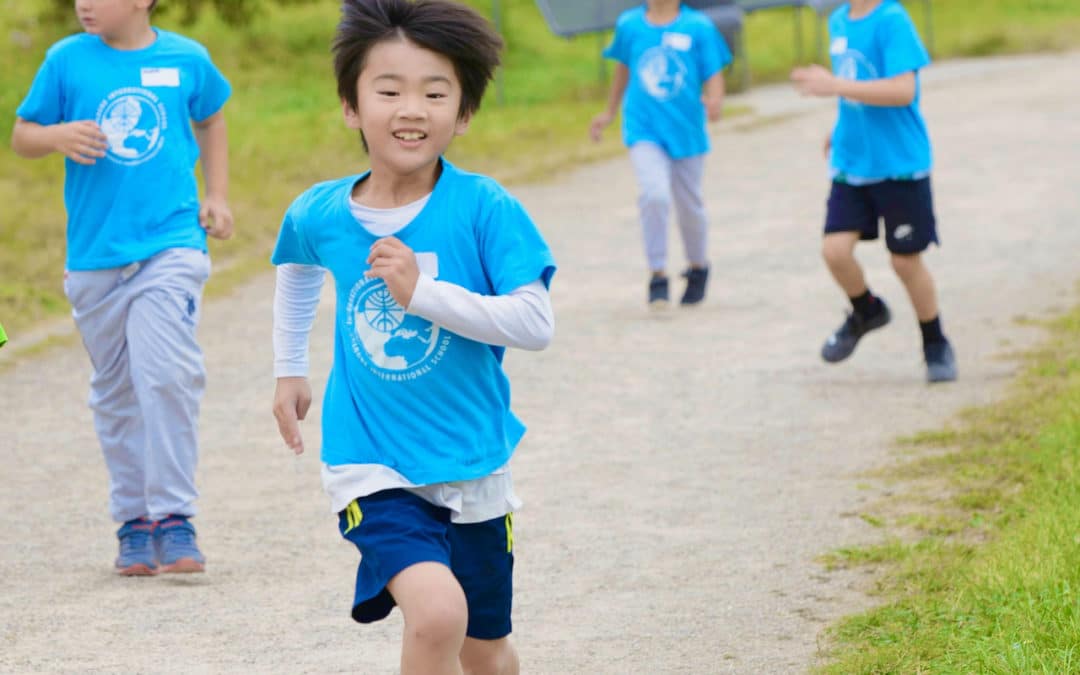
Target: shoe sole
[
  {"x": 659, "y": 305},
  {"x": 946, "y": 377},
  {"x": 940, "y": 380},
  {"x": 137, "y": 570},
  {"x": 184, "y": 566}
]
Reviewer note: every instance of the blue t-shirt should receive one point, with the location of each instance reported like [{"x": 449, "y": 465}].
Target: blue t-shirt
[
  {"x": 878, "y": 142},
  {"x": 668, "y": 66},
  {"x": 404, "y": 392},
  {"x": 141, "y": 198}
]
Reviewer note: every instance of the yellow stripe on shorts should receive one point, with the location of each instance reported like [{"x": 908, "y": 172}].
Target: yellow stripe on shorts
[
  {"x": 353, "y": 516},
  {"x": 510, "y": 533}
]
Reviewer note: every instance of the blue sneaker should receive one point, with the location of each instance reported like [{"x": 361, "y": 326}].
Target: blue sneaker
[
  {"x": 841, "y": 344},
  {"x": 658, "y": 293},
  {"x": 136, "y": 557},
  {"x": 174, "y": 538},
  {"x": 696, "y": 279},
  {"x": 940, "y": 362}
]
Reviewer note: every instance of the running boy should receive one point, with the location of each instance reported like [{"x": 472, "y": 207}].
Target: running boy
[
  {"x": 880, "y": 164},
  {"x": 669, "y": 61},
  {"x": 436, "y": 272},
  {"x": 119, "y": 102}
]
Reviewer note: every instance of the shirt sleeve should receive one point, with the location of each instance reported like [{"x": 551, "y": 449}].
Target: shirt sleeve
[
  {"x": 292, "y": 244},
  {"x": 712, "y": 53},
  {"x": 296, "y": 300},
  {"x": 211, "y": 92},
  {"x": 619, "y": 49},
  {"x": 44, "y": 103},
  {"x": 521, "y": 319},
  {"x": 512, "y": 250},
  {"x": 902, "y": 49}
]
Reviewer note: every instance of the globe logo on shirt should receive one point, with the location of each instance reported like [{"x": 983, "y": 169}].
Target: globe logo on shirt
[
  {"x": 850, "y": 65},
  {"x": 392, "y": 344},
  {"x": 132, "y": 120},
  {"x": 662, "y": 73}
]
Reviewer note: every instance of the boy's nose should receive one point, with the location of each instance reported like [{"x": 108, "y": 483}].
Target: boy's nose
[{"x": 412, "y": 107}]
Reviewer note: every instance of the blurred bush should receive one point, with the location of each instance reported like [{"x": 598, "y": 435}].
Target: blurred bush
[{"x": 233, "y": 12}]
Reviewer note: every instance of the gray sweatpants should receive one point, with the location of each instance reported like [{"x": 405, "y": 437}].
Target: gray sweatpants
[
  {"x": 138, "y": 325},
  {"x": 661, "y": 181}
]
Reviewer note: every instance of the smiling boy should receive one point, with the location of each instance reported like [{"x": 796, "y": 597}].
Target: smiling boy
[{"x": 436, "y": 272}]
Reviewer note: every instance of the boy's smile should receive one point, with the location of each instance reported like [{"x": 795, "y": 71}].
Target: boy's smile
[{"x": 408, "y": 108}]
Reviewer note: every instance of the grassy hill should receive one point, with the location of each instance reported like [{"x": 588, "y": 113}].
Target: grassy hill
[{"x": 286, "y": 130}]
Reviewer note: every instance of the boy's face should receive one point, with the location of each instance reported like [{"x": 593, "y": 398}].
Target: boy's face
[
  {"x": 109, "y": 18},
  {"x": 407, "y": 102}
]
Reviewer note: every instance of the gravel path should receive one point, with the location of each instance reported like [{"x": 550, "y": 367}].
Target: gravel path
[{"x": 681, "y": 473}]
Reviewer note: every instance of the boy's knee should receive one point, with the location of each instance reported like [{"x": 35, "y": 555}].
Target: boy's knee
[
  {"x": 440, "y": 622},
  {"x": 905, "y": 264},
  {"x": 489, "y": 657},
  {"x": 155, "y": 369},
  {"x": 655, "y": 198},
  {"x": 836, "y": 250}
]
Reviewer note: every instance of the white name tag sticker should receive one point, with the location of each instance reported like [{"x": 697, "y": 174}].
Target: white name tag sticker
[
  {"x": 428, "y": 264},
  {"x": 680, "y": 42},
  {"x": 839, "y": 46},
  {"x": 160, "y": 77}
]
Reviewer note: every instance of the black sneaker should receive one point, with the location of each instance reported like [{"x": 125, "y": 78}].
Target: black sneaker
[
  {"x": 658, "y": 293},
  {"x": 695, "y": 285},
  {"x": 841, "y": 344},
  {"x": 940, "y": 362}
]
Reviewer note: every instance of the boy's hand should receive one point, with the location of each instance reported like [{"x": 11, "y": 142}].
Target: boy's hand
[
  {"x": 714, "y": 108},
  {"x": 81, "y": 141},
  {"x": 814, "y": 80},
  {"x": 292, "y": 398},
  {"x": 216, "y": 217},
  {"x": 828, "y": 145},
  {"x": 395, "y": 263},
  {"x": 599, "y": 123}
]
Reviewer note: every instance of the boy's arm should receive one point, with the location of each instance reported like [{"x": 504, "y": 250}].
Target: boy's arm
[
  {"x": 619, "y": 82},
  {"x": 214, "y": 214},
  {"x": 81, "y": 141},
  {"x": 522, "y": 318},
  {"x": 296, "y": 299},
  {"x": 816, "y": 80},
  {"x": 713, "y": 96}
]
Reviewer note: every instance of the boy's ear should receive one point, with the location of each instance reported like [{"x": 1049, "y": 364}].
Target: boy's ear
[
  {"x": 462, "y": 124},
  {"x": 352, "y": 115}
]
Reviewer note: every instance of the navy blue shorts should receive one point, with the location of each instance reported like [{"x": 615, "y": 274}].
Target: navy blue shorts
[
  {"x": 906, "y": 206},
  {"x": 395, "y": 529}
]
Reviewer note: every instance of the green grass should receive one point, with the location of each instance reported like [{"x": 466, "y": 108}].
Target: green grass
[
  {"x": 286, "y": 131},
  {"x": 985, "y": 579}
]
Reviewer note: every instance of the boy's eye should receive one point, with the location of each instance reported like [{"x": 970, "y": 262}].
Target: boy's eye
[
  {"x": 386, "y": 92},
  {"x": 436, "y": 95}
]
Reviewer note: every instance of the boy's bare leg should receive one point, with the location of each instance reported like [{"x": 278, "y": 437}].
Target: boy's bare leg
[
  {"x": 838, "y": 250},
  {"x": 489, "y": 657},
  {"x": 919, "y": 284},
  {"x": 436, "y": 615}
]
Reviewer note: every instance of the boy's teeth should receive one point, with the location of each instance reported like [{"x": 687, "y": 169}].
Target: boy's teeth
[{"x": 410, "y": 136}]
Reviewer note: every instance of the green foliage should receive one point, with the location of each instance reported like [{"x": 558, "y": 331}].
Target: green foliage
[
  {"x": 285, "y": 129},
  {"x": 233, "y": 12}
]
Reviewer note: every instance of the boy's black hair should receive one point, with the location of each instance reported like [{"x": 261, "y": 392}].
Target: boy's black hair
[{"x": 442, "y": 26}]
